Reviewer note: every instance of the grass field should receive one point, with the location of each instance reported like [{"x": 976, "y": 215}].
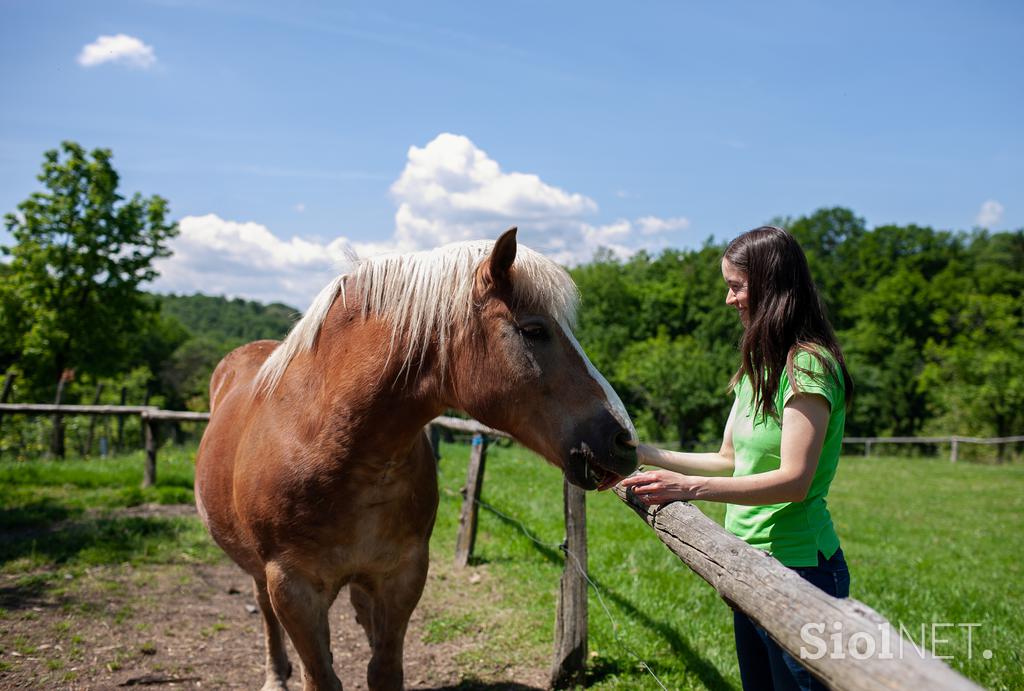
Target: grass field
[
  {"x": 40, "y": 495},
  {"x": 927, "y": 542}
]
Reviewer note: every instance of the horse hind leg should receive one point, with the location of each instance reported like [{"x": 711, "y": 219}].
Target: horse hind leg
[
  {"x": 362, "y": 603},
  {"x": 277, "y": 665},
  {"x": 302, "y": 609}
]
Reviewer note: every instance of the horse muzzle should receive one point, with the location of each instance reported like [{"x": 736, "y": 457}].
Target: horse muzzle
[{"x": 599, "y": 461}]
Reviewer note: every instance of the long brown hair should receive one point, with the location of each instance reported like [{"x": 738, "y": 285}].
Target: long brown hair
[{"x": 786, "y": 315}]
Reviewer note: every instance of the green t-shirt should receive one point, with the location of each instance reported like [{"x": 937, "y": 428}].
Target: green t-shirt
[{"x": 793, "y": 532}]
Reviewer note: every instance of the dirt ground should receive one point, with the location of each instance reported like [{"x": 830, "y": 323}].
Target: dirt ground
[{"x": 196, "y": 626}]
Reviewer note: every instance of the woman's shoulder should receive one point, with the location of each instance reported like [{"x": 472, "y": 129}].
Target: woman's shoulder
[
  {"x": 816, "y": 370},
  {"x": 814, "y": 359}
]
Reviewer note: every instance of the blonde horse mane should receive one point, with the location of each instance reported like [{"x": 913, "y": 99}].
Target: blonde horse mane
[{"x": 425, "y": 296}]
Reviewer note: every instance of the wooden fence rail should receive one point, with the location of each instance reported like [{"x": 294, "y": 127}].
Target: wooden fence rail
[
  {"x": 779, "y": 600},
  {"x": 150, "y": 416},
  {"x": 66, "y": 409},
  {"x": 954, "y": 442}
]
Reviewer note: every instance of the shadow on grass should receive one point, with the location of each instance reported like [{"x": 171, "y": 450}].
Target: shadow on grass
[
  {"x": 97, "y": 541},
  {"x": 40, "y": 512},
  {"x": 27, "y": 592},
  {"x": 705, "y": 671}
]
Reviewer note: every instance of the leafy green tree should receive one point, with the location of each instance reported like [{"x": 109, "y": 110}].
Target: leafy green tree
[
  {"x": 81, "y": 251},
  {"x": 831, "y": 238},
  {"x": 975, "y": 377},
  {"x": 231, "y": 322},
  {"x": 186, "y": 373},
  {"x": 608, "y": 317},
  {"x": 930, "y": 320},
  {"x": 679, "y": 386},
  {"x": 659, "y": 330}
]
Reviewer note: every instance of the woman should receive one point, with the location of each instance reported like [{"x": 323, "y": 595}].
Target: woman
[{"x": 782, "y": 440}]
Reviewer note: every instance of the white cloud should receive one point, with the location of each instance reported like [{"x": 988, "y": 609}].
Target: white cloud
[
  {"x": 221, "y": 257},
  {"x": 300, "y": 208},
  {"x": 452, "y": 190},
  {"x": 652, "y": 225},
  {"x": 990, "y": 214},
  {"x": 449, "y": 190},
  {"x": 123, "y": 49}
]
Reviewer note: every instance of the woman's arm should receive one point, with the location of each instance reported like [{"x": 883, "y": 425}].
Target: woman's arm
[
  {"x": 804, "y": 422},
  {"x": 721, "y": 463}
]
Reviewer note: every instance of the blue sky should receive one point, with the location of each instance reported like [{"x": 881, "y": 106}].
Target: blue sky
[{"x": 281, "y": 132}]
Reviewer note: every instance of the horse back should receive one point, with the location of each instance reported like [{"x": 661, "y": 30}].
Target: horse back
[{"x": 240, "y": 365}]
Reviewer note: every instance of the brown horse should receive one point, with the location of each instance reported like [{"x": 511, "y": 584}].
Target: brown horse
[{"x": 315, "y": 472}]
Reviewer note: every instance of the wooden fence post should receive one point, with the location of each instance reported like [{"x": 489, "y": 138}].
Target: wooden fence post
[
  {"x": 57, "y": 436},
  {"x": 120, "y": 420},
  {"x": 92, "y": 421},
  {"x": 470, "y": 493},
  {"x": 953, "y": 449},
  {"x": 145, "y": 402},
  {"x": 149, "y": 430},
  {"x": 569, "y": 666},
  {"x": 8, "y": 387}
]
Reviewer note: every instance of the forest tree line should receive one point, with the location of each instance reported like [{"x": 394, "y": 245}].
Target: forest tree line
[{"x": 931, "y": 321}]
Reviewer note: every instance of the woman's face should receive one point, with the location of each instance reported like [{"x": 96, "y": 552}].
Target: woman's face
[{"x": 736, "y": 281}]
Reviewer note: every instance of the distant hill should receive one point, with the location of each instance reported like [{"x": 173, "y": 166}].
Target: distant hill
[{"x": 230, "y": 321}]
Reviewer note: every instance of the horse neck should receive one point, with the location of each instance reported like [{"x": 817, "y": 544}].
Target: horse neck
[{"x": 361, "y": 388}]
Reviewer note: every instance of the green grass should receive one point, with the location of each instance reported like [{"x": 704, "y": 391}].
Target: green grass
[
  {"x": 77, "y": 496},
  {"x": 927, "y": 541},
  {"x": 39, "y": 491}
]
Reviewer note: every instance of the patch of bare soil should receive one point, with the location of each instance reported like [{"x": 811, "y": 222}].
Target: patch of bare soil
[{"x": 196, "y": 626}]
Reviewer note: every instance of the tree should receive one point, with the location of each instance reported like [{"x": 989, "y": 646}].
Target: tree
[
  {"x": 81, "y": 251},
  {"x": 975, "y": 377},
  {"x": 680, "y": 386}
]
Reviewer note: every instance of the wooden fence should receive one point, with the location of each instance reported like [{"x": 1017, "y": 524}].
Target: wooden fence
[
  {"x": 568, "y": 666},
  {"x": 954, "y": 442},
  {"x": 774, "y": 596},
  {"x": 782, "y": 603}
]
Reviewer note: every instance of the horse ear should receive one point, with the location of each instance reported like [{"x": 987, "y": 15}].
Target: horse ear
[{"x": 496, "y": 270}]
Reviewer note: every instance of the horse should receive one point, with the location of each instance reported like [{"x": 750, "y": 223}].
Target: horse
[{"x": 315, "y": 472}]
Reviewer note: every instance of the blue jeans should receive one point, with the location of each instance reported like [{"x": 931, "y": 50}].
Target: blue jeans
[{"x": 764, "y": 666}]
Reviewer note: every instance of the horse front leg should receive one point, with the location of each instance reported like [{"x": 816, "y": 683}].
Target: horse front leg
[
  {"x": 277, "y": 665},
  {"x": 302, "y": 607},
  {"x": 394, "y": 597}
]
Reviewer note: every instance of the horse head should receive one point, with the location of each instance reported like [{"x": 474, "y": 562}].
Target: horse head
[{"x": 518, "y": 368}]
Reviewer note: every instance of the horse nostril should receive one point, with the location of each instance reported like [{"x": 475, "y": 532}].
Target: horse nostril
[{"x": 623, "y": 443}]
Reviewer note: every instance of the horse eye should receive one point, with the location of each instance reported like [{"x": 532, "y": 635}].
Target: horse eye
[{"x": 534, "y": 332}]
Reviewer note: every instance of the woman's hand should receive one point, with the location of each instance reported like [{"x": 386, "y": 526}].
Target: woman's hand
[{"x": 663, "y": 486}]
